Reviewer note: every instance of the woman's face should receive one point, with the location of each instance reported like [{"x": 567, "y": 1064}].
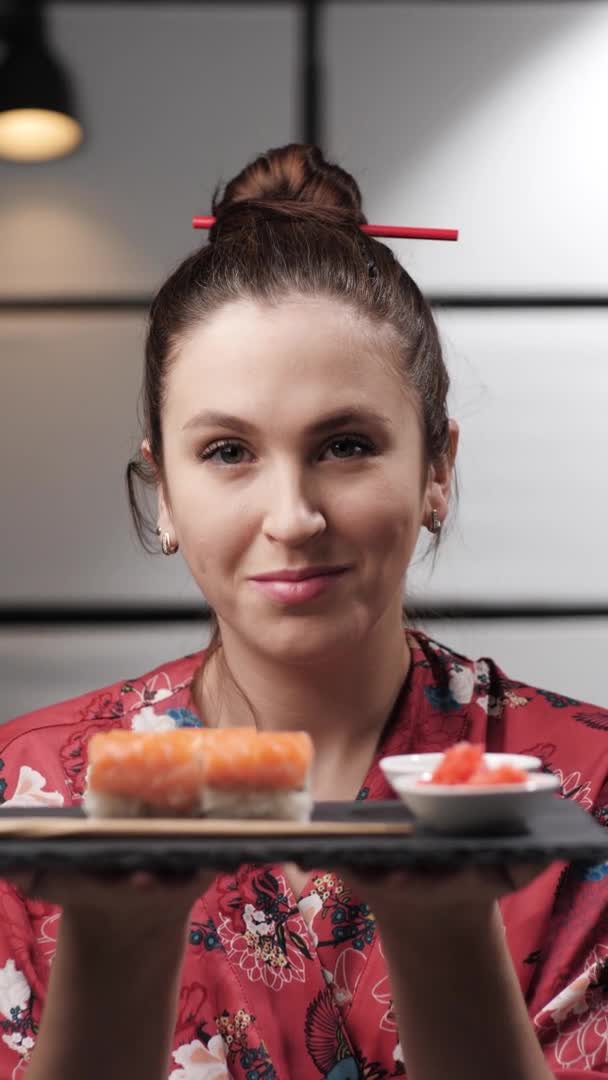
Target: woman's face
[{"x": 294, "y": 474}]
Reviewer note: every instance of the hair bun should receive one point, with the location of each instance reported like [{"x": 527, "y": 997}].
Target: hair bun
[{"x": 294, "y": 182}]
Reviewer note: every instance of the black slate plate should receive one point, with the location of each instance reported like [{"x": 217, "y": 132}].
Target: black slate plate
[{"x": 564, "y": 832}]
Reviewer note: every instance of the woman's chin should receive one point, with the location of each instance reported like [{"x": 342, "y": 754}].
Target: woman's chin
[{"x": 303, "y": 641}]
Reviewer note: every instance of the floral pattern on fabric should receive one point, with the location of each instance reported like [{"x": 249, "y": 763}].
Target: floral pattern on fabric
[
  {"x": 253, "y": 1058},
  {"x": 30, "y": 791},
  {"x": 73, "y": 756},
  {"x": 578, "y": 1016},
  {"x": 345, "y": 918},
  {"x": 198, "y": 1061},
  {"x": 263, "y": 931},
  {"x": 329, "y": 1045},
  {"x": 147, "y": 719},
  {"x": 275, "y": 988},
  {"x": 381, "y": 992},
  {"x": 18, "y": 1027}
]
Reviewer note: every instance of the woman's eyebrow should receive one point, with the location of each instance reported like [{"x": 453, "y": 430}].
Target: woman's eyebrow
[
  {"x": 211, "y": 418},
  {"x": 343, "y": 418},
  {"x": 349, "y": 417}
]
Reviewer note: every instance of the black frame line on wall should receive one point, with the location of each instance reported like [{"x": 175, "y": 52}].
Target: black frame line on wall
[
  {"x": 94, "y": 615},
  {"x": 278, "y": 3},
  {"x": 311, "y": 84},
  {"x": 464, "y": 301}
]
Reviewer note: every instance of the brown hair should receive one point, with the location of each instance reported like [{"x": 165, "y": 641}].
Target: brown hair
[{"x": 289, "y": 222}]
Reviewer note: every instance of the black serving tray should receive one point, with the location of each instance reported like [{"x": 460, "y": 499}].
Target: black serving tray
[{"x": 563, "y": 831}]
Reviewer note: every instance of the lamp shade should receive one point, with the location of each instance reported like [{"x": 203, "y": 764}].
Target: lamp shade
[{"x": 37, "y": 115}]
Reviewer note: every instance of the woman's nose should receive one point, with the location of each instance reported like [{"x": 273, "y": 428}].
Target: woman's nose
[{"x": 294, "y": 515}]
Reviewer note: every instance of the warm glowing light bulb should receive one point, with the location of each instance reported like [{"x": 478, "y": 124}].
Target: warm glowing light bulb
[{"x": 37, "y": 134}]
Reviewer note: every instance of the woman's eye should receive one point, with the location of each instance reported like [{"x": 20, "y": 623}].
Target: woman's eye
[
  {"x": 349, "y": 446},
  {"x": 225, "y": 453}
]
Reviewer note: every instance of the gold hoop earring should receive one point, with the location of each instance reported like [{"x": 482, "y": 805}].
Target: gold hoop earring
[
  {"x": 435, "y": 526},
  {"x": 169, "y": 546}
]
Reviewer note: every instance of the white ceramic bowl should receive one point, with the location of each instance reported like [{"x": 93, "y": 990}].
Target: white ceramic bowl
[
  {"x": 415, "y": 764},
  {"x": 462, "y": 808}
]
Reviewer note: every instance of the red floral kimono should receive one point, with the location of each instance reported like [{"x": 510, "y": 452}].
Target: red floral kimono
[{"x": 279, "y": 988}]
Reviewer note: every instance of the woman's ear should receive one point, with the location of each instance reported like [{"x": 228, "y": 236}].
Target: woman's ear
[
  {"x": 146, "y": 453},
  {"x": 439, "y": 485},
  {"x": 163, "y": 515}
]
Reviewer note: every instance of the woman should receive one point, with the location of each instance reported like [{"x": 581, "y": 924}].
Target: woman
[{"x": 298, "y": 440}]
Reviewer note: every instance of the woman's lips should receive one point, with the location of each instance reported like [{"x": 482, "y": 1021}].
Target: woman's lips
[{"x": 293, "y": 588}]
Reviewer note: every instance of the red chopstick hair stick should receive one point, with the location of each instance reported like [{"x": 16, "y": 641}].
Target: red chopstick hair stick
[
  {"x": 400, "y": 231},
  {"x": 410, "y": 231}
]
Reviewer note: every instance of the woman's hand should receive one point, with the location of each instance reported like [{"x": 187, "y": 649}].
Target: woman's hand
[
  {"x": 116, "y": 971},
  {"x": 415, "y": 897},
  {"x": 140, "y": 900},
  {"x": 443, "y": 929}
]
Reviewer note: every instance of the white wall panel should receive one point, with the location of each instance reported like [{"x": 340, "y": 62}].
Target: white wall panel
[
  {"x": 530, "y": 390},
  {"x": 174, "y": 98},
  {"x": 39, "y": 667},
  {"x": 482, "y": 116},
  {"x": 68, "y": 426}
]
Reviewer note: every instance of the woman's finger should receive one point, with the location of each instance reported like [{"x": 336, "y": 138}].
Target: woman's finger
[
  {"x": 437, "y": 887},
  {"x": 21, "y": 879},
  {"x": 112, "y": 890}
]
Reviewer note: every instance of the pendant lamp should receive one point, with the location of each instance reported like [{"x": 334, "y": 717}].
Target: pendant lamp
[{"x": 38, "y": 120}]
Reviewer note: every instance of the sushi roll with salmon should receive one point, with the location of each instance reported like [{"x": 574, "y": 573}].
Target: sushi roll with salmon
[
  {"x": 144, "y": 773},
  {"x": 256, "y": 774},
  {"x": 189, "y": 772}
]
